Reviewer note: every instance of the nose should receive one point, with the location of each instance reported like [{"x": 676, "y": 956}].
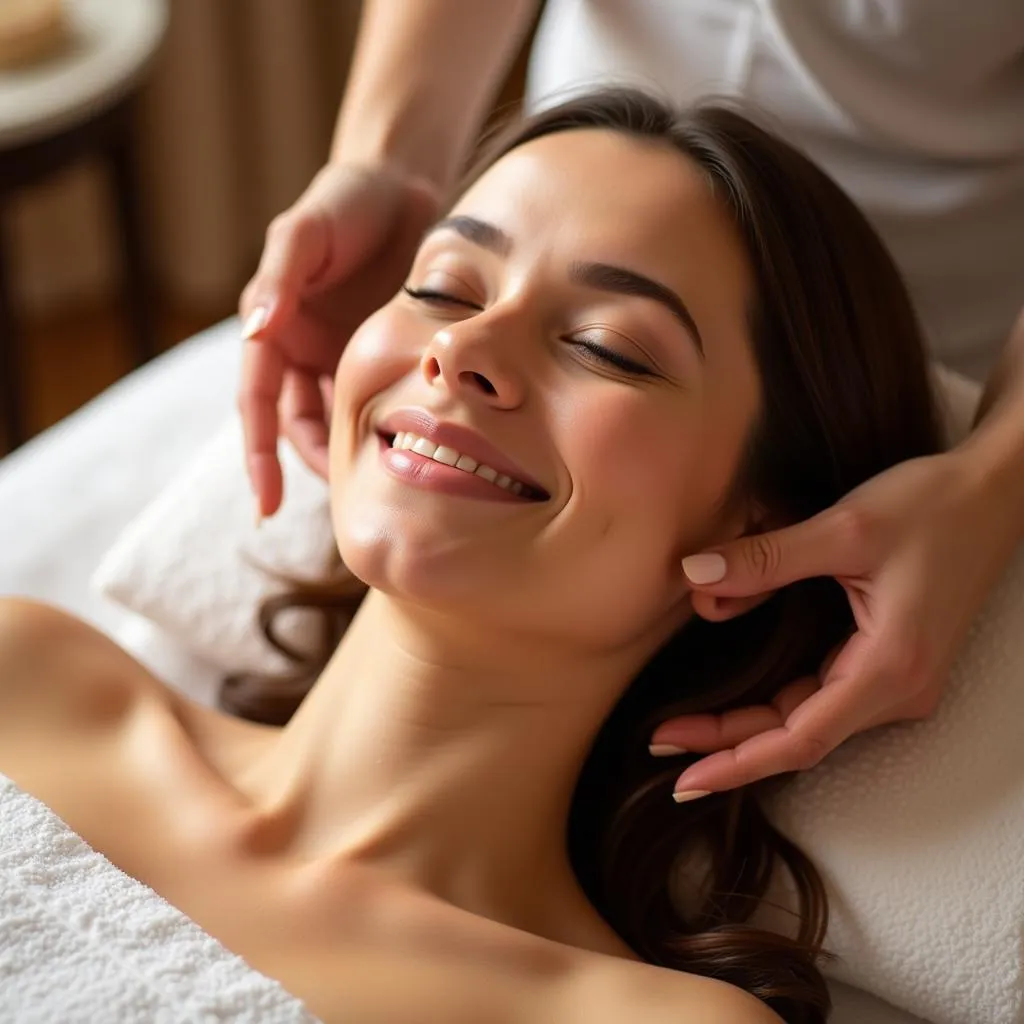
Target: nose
[{"x": 476, "y": 360}]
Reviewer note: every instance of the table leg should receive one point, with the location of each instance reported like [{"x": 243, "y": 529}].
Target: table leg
[
  {"x": 136, "y": 277},
  {"x": 12, "y": 419}
]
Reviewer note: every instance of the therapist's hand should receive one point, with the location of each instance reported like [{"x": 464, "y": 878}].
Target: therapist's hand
[
  {"x": 337, "y": 255},
  {"x": 916, "y": 549}
]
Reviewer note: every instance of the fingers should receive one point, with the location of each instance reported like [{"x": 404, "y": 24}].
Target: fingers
[
  {"x": 704, "y": 733},
  {"x": 850, "y": 699},
  {"x": 327, "y": 393},
  {"x": 296, "y": 252},
  {"x": 302, "y": 419},
  {"x": 305, "y": 419},
  {"x": 787, "y": 748},
  {"x": 828, "y": 544},
  {"x": 261, "y": 381},
  {"x": 769, "y": 753}
]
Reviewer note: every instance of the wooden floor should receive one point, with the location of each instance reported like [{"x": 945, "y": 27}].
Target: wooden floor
[{"x": 72, "y": 358}]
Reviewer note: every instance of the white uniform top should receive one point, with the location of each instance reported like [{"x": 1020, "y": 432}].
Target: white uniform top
[{"x": 916, "y": 107}]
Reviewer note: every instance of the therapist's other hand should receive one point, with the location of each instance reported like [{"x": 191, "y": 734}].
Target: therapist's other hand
[
  {"x": 329, "y": 261},
  {"x": 917, "y": 549}
]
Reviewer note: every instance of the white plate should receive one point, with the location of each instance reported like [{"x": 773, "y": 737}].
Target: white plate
[{"x": 111, "y": 42}]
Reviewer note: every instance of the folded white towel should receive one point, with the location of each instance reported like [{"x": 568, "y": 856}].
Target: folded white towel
[
  {"x": 82, "y": 942},
  {"x": 918, "y": 829},
  {"x": 195, "y": 563}
]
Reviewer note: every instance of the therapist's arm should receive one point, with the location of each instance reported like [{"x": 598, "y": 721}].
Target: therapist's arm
[
  {"x": 423, "y": 78},
  {"x": 996, "y": 442}
]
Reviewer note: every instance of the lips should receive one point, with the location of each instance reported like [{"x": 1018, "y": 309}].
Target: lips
[{"x": 463, "y": 440}]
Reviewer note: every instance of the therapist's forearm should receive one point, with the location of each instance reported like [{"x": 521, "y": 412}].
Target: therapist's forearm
[
  {"x": 423, "y": 78},
  {"x": 996, "y": 443}
]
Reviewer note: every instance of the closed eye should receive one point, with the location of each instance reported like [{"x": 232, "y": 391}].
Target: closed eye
[
  {"x": 430, "y": 295},
  {"x": 599, "y": 353}
]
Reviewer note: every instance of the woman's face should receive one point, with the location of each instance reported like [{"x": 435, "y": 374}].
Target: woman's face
[{"x": 577, "y": 325}]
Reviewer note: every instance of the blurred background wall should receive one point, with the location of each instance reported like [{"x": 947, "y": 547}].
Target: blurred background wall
[{"x": 236, "y": 117}]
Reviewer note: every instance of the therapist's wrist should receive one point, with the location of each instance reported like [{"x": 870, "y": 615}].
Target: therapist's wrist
[
  {"x": 430, "y": 173},
  {"x": 993, "y": 453},
  {"x": 991, "y": 472}
]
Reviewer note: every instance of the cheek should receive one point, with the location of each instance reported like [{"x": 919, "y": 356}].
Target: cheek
[
  {"x": 646, "y": 480},
  {"x": 644, "y": 461},
  {"x": 377, "y": 355}
]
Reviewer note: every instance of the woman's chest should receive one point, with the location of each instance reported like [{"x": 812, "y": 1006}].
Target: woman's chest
[
  {"x": 348, "y": 944},
  {"x": 354, "y": 948}
]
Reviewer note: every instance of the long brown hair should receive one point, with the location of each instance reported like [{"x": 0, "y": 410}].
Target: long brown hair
[{"x": 845, "y": 395}]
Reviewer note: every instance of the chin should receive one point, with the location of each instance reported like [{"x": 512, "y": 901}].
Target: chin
[{"x": 403, "y": 555}]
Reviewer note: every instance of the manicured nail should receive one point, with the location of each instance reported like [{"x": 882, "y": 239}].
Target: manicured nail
[
  {"x": 705, "y": 568},
  {"x": 665, "y": 750},
  {"x": 690, "y": 794},
  {"x": 255, "y": 322}
]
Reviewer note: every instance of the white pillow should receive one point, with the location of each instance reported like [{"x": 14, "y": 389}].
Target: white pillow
[
  {"x": 917, "y": 828},
  {"x": 191, "y": 562}
]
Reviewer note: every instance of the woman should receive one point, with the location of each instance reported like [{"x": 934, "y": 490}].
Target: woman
[
  {"x": 915, "y": 110},
  {"x": 464, "y": 801}
]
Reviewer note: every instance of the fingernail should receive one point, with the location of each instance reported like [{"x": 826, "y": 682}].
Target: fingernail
[
  {"x": 665, "y": 750},
  {"x": 690, "y": 794},
  {"x": 255, "y": 322},
  {"x": 705, "y": 568}
]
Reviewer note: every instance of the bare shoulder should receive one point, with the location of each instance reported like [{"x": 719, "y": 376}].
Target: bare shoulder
[
  {"x": 614, "y": 991},
  {"x": 67, "y": 686},
  {"x": 24, "y": 621},
  {"x": 56, "y": 666},
  {"x": 719, "y": 1002},
  {"x": 70, "y": 701},
  {"x": 34, "y": 634}
]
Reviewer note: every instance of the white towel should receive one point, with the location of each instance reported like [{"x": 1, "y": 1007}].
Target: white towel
[{"x": 83, "y": 943}]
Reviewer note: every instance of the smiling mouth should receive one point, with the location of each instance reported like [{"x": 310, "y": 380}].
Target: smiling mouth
[{"x": 408, "y": 441}]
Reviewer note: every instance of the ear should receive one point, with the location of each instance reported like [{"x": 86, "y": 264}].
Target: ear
[{"x": 720, "y": 609}]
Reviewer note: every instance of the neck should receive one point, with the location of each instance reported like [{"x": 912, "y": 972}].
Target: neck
[{"x": 446, "y": 756}]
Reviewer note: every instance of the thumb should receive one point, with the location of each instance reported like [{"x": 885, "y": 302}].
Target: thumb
[
  {"x": 295, "y": 254},
  {"x": 762, "y": 562}
]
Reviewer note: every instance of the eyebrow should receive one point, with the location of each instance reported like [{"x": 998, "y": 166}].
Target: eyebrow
[
  {"x": 608, "y": 278},
  {"x": 601, "y": 276},
  {"x": 479, "y": 232}
]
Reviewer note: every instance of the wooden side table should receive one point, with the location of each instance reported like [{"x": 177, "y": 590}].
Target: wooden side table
[{"x": 80, "y": 102}]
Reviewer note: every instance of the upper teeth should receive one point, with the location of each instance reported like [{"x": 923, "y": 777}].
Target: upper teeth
[{"x": 450, "y": 457}]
